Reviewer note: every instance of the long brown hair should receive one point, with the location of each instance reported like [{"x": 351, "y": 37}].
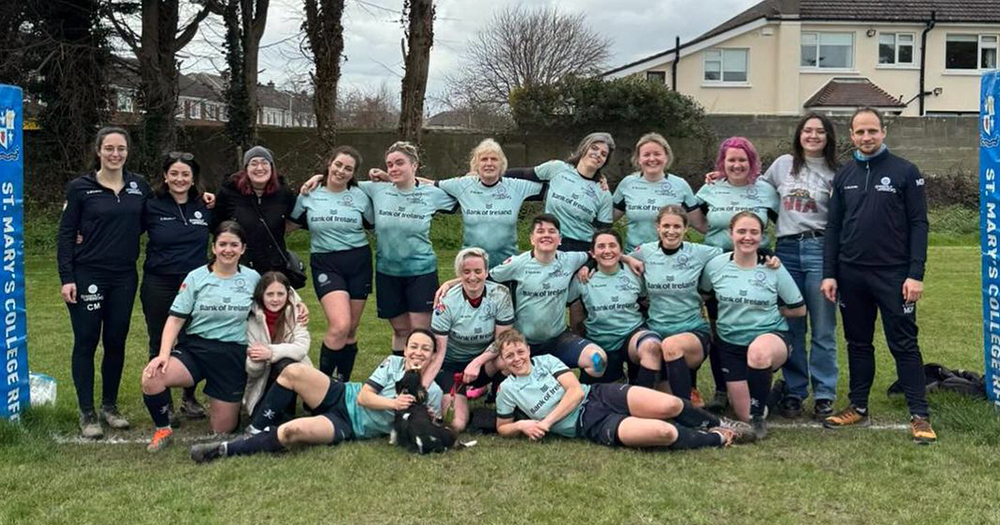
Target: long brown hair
[{"x": 266, "y": 280}]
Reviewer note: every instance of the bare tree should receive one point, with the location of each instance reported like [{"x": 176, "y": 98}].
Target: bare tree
[
  {"x": 417, "y": 50},
  {"x": 368, "y": 109},
  {"x": 523, "y": 47},
  {"x": 325, "y": 35},
  {"x": 58, "y": 51},
  {"x": 156, "y": 48}
]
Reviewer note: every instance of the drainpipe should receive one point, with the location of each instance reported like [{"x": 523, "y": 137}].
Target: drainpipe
[
  {"x": 923, "y": 56},
  {"x": 673, "y": 67}
]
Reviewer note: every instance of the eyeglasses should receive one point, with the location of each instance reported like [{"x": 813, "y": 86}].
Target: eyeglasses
[{"x": 180, "y": 155}]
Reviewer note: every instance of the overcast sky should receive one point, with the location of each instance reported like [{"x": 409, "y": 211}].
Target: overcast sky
[{"x": 372, "y": 35}]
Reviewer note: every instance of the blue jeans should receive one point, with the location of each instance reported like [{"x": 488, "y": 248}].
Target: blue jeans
[{"x": 804, "y": 260}]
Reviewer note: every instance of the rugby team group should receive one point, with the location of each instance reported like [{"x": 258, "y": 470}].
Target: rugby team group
[{"x": 644, "y": 312}]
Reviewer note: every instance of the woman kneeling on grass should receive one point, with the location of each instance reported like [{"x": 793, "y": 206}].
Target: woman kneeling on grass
[
  {"x": 208, "y": 320},
  {"x": 340, "y": 411},
  {"x": 753, "y": 303},
  {"x": 607, "y": 414}
]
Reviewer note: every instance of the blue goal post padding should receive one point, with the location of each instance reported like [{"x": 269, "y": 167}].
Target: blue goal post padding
[
  {"x": 14, "y": 389},
  {"x": 989, "y": 208}
]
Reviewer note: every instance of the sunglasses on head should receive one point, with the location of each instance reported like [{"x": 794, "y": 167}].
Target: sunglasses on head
[{"x": 180, "y": 155}]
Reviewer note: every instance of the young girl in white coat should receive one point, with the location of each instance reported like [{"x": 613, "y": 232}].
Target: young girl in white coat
[{"x": 276, "y": 337}]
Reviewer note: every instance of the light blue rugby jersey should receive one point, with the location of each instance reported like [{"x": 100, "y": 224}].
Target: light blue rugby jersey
[
  {"x": 612, "y": 303},
  {"x": 577, "y": 202},
  {"x": 538, "y": 393},
  {"x": 672, "y": 285},
  {"x": 749, "y": 298},
  {"x": 403, "y": 225},
  {"x": 725, "y": 200},
  {"x": 489, "y": 213},
  {"x": 216, "y": 308},
  {"x": 541, "y": 293},
  {"x": 335, "y": 220},
  {"x": 470, "y": 329},
  {"x": 368, "y": 423},
  {"x": 641, "y": 200}
]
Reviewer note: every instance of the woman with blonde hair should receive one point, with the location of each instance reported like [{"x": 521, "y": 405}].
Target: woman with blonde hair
[
  {"x": 490, "y": 202},
  {"x": 405, "y": 263},
  {"x": 640, "y": 195}
]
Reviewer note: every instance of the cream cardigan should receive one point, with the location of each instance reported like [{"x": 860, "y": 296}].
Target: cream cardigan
[{"x": 294, "y": 346}]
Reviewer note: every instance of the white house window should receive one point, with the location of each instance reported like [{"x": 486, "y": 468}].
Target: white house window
[
  {"x": 195, "y": 110},
  {"x": 828, "y": 50},
  {"x": 895, "y": 48},
  {"x": 970, "y": 52},
  {"x": 125, "y": 101},
  {"x": 656, "y": 77},
  {"x": 988, "y": 52},
  {"x": 726, "y": 65}
]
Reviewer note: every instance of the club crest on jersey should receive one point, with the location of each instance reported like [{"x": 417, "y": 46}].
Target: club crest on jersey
[
  {"x": 440, "y": 308},
  {"x": 133, "y": 189},
  {"x": 500, "y": 193},
  {"x": 885, "y": 185},
  {"x": 240, "y": 284},
  {"x": 348, "y": 200}
]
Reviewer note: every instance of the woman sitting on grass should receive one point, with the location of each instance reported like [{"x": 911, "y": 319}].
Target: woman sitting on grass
[
  {"x": 277, "y": 339},
  {"x": 753, "y": 303},
  {"x": 340, "y": 411},
  {"x": 208, "y": 321},
  {"x": 545, "y": 390}
]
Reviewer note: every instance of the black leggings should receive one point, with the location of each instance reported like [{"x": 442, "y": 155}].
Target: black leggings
[
  {"x": 157, "y": 293},
  {"x": 102, "y": 313}
]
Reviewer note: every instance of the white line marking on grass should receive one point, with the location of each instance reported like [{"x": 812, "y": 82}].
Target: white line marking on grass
[
  {"x": 77, "y": 440},
  {"x": 890, "y": 426}
]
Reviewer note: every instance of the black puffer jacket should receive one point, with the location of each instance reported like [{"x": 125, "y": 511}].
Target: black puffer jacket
[{"x": 262, "y": 254}]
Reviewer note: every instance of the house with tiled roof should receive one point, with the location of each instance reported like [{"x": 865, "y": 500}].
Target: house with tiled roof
[
  {"x": 787, "y": 57},
  {"x": 200, "y": 101}
]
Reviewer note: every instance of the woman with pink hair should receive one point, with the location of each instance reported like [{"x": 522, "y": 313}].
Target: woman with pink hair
[{"x": 740, "y": 190}]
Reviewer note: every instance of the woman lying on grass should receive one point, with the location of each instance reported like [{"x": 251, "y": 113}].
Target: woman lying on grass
[
  {"x": 340, "y": 411},
  {"x": 607, "y": 414}
]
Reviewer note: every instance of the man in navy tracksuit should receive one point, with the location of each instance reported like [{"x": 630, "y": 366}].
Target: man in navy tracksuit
[{"x": 876, "y": 247}]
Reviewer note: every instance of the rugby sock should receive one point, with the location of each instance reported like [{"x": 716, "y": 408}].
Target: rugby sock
[
  {"x": 694, "y": 377},
  {"x": 329, "y": 359},
  {"x": 646, "y": 377},
  {"x": 159, "y": 408},
  {"x": 263, "y": 442},
  {"x": 715, "y": 361},
  {"x": 346, "y": 365},
  {"x": 679, "y": 377},
  {"x": 688, "y": 439},
  {"x": 189, "y": 393},
  {"x": 271, "y": 407},
  {"x": 694, "y": 417},
  {"x": 759, "y": 384}
]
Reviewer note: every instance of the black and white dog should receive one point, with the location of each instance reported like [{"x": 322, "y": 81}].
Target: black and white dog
[{"x": 415, "y": 428}]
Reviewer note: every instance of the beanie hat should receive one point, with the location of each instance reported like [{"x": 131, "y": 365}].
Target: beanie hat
[{"x": 258, "y": 151}]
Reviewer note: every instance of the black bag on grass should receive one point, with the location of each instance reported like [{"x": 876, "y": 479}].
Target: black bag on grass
[{"x": 940, "y": 377}]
